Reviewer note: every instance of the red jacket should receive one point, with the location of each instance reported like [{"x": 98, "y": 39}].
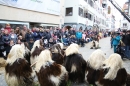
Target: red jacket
[{"x": 8, "y": 28}]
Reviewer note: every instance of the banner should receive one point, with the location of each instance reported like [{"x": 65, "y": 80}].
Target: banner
[{"x": 46, "y": 6}]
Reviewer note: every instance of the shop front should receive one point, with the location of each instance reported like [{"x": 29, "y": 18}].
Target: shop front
[{"x": 13, "y": 24}]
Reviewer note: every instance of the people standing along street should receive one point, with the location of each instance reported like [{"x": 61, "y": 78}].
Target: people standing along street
[
  {"x": 116, "y": 40},
  {"x": 13, "y": 36},
  {"x": 23, "y": 32},
  {"x": 8, "y": 28},
  {"x": 18, "y": 31},
  {"x": 29, "y": 36},
  {"x": 6, "y": 40},
  {"x": 36, "y": 34},
  {"x": 49, "y": 37},
  {"x": 79, "y": 35},
  {"x": 2, "y": 48},
  {"x": 111, "y": 41},
  {"x": 8, "y": 48},
  {"x": 128, "y": 44}
]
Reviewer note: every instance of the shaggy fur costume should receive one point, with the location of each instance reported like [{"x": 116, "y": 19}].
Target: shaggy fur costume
[
  {"x": 36, "y": 50},
  {"x": 112, "y": 72},
  {"x": 27, "y": 53},
  {"x": 128, "y": 80},
  {"x": 94, "y": 64},
  {"x": 57, "y": 53},
  {"x": 48, "y": 72},
  {"x": 18, "y": 71},
  {"x": 75, "y": 64},
  {"x": 95, "y": 45}
]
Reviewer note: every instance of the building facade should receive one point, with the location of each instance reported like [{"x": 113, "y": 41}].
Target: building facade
[
  {"x": 32, "y": 13},
  {"x": 124, "y": 23},
  {"x": 110, "y": 21},
  {"x": 87, "y": 14}
]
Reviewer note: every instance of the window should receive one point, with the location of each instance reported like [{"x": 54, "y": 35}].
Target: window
[
  {"x": 69, "y": 11},
  {"x": 85, "y": 14},
  {"x": 89, "y": 16},
  {"x": 124, "y": 24},
  {"x": 90, "y": 2},
  {"x": 81, "y": 12}
]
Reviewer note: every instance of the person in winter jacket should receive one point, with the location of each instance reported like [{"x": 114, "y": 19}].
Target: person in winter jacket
[
  {"x": 8, "y": 48},
  {"x": 116, "y": 40},
  {"x": 18, "y": 31},
  {"x": 29, "y": 35},
  {"x": 128, "y": 44},
  {"x": 6, "y": 38},
  {"x": 79, "y": 36},
  {"x": 36, "y": 34},
  {"x": 2, "y": 48},
  {"x": 8, "y": 28},
  {"x": 13, "y": 36},
  {"x": 24, "y": 31}
]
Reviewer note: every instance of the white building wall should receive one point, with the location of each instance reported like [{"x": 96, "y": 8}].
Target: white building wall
[
  {"x": 74, "y": 17},
  {"x": 85, "y": 6},
  {"x": 125, "y": 22},
  {"x": 15, "y": 14}
]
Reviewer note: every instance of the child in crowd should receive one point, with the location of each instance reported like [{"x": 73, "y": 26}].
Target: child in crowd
[{"x": 18, "y": 41}]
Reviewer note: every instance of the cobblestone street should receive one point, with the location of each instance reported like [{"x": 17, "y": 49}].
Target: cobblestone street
[{"x": 85, "y": 51}]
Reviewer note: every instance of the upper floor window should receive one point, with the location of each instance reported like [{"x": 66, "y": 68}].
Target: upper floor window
[
  {"x": 90, "y": 2},
  {"x": 90, "y": 17},
  {"x": 124, "y": 24},
  {"x": 81, "y": 12},
  {"x": 69, "y": 11},
  {"x": 85, "y": 14},
  {"x": 85, "y": 0}
]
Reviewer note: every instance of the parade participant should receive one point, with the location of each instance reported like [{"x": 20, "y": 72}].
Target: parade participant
[
  {"x": 75, "y": 64},
  {"x": 18, "y": 71},
  {"x": 94, "y": 64},
  {"x": 112, "y": 72},
  {"x": 48, "y": 72},
  {"x": 57, "y": 53},
  {"x": 36, "y": 50}
]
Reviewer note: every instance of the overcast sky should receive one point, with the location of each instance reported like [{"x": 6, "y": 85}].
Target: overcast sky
[
  {"x": 118, "y": 16},
  {"x": 120, "y": 2}
]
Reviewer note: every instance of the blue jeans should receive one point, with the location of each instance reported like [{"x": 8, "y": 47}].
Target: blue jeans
[
  {"x": 78, "y": 41},
  {"x": 114, "y": 48}
]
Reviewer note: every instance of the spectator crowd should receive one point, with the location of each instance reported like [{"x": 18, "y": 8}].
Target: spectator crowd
[
  {"x": 11, "y": 36},
  {"x": 120, "y": 41}
]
